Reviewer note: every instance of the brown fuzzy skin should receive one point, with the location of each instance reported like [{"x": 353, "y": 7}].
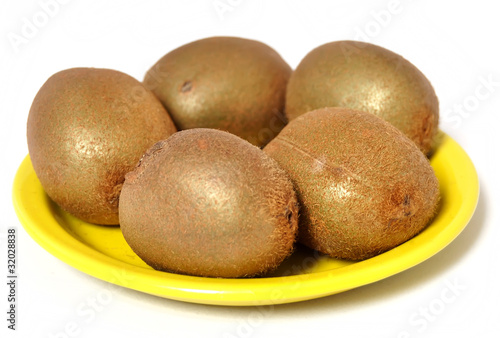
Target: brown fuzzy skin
[
  {"x": 207, "y": 203},
  {"x": 226, "y": 83},
  {"x": 363, "y": 186},
  {"x": 86, "y": 129},
  {"x": 366, "y": 77}
]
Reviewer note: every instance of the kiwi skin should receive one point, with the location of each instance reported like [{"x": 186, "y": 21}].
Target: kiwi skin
[
  {"x": 86, "y": 129},
  {"x": 366, "y": 77},
  {"x": 207, "y": 203},
  {"x": 363, "y": 186},
  {"x": 226, "y": 83}
]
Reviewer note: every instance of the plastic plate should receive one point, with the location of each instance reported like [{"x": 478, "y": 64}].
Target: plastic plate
[{"x": 102, "y": 252}]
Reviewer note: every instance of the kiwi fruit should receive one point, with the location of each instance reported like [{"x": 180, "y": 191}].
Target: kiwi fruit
[
  {"x": 227, "y": 83},
  {"x": 86, "y": 129},
  {"x": 363, "y": 186},
  {"x": 205, "y": 202},
  {"x": 366, "y": 77}
]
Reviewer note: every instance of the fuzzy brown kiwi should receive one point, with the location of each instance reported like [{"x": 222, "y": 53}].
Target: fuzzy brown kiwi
[
  {"x": 207, "y": 203},
  {"x": 226, "y": 83},
  {"x": 366, "y": 77},
  {"x": 363, "y": 186},
  {"x": 86, "y": 129}
]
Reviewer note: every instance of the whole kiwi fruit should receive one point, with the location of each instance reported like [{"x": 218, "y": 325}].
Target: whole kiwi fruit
[
  {"x": 207, "y": 203},
  {"x": 226, "y": 83},
  {"x": 366, "y": 77},
  {"x": 86, "y": 129},
  {"x": 363, "y": 186}
]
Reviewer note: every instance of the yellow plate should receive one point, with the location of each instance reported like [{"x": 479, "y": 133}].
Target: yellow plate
[{"x": 103, "y": 253}]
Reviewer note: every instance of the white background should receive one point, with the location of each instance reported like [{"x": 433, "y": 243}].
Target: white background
[{"x": 454, "y": 43}]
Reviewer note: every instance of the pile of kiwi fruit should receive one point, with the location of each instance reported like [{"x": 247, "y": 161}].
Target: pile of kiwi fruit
[{"x": 224, "y": 159}]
